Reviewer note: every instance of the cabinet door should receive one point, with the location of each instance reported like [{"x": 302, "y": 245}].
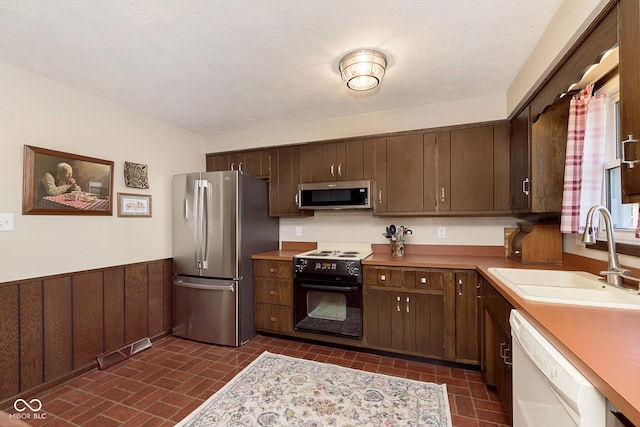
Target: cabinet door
[
  {"x": 253, "y": 164},
  {"x": 428, "y": 332},
  {"x": 548, "y": 153},
  {"x": 629, "y": 66},
  {"x": 283, "y": 183},
  {"x": 443, "y": 171},
  {"x": 217, "y": 162},
  {"x": 350, "y": 159},
  {"x": 467, "y": 319},
  {"x": 405, "y": 173},
  {"x": 379, "y": 200},
  {"x": 501, "y": 169},
  {"x": 318, "y": 162},
  {"x": 378, "y": 309},
  {"x": 520, "y": 166},
  {"x": 472, "y": 169}
]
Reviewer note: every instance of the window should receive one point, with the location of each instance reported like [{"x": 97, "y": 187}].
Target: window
[{"x": 625, "y": 217}]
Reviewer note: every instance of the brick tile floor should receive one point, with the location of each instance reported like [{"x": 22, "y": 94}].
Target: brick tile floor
[{"x": 163, "y": 384}]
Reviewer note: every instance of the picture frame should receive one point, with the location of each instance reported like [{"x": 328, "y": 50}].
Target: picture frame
[
  {"x": 59, "y": 183},
  {"x": 134, "y": 205}
]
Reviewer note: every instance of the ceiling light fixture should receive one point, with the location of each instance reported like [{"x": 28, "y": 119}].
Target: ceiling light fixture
[{"x": 363, "y": 69}]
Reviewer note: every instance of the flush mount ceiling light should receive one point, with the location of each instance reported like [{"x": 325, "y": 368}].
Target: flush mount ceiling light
[{"x": 363, "y": 69}]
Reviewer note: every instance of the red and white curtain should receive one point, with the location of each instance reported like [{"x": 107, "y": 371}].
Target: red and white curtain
[{"x": 584, "y": 164}]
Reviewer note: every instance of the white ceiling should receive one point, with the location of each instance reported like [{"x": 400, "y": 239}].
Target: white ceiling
[{"x": 225, "y": 65}]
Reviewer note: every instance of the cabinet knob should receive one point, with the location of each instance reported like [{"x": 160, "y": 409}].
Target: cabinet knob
[
  {"x": 272, "y": 270},
  {"x": 380, "y": 196},
  {"x": 240, "y": 167},
  {"x": 332, "y": 171},
  {"x": 407, "y": 304},
  {"x": 232, "y": 165},
  {"x": 273, "y": 319},
  {"x": 398, "y": 304},
  {"x": 423, "y": 280},
  {"x": 383, "y": 277},
  {"x": 272, "y": 293},
  {"x": 460, "y": 285},
  {"x": 340, "y": 169},
  {"x": 442, "y": 195}
]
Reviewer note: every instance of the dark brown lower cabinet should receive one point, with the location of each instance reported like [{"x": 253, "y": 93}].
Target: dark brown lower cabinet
[
  {"x": 496, "y": 364},
  {"x": 467, "y": 317},
  {"x": 407, "y": 322},
  {"x": 273, "y": 296},
  {"x": 54, "y": 327}
]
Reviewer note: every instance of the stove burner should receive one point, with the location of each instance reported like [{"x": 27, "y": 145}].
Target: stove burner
[
  {"x": 351, "y": 252},
  {"x": 323, "y": 253},
  {"x": 347, "y": 255}
]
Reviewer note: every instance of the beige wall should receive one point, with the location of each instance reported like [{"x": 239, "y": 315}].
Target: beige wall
[{"x": 37, "y": 111}]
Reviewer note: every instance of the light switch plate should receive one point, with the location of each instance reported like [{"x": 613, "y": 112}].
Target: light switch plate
[
  {"x": 442, "y": 232},
  {"x": 6, "y": 222}
]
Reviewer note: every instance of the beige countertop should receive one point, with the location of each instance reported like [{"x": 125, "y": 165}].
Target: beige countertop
[{"x": 603, "y": 344}]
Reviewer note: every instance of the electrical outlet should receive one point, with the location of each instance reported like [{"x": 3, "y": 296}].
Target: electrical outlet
[
  {"x": 442, "y": 232},
  {"x": 298, "y": 230},
  {"x": 6, "y": 222}
]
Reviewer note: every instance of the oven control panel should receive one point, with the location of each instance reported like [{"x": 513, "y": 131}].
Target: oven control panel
[{"x": 325, "y": 267}]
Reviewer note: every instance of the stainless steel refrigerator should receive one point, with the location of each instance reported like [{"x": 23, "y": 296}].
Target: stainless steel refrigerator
[{"x": 220, "y": 219}]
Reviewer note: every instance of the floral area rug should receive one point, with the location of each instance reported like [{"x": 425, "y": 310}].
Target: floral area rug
[{"x": 277, "y": 390}]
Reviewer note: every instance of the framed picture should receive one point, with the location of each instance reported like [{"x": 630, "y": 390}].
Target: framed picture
[
  {"x": 57, "y": 183},
  {"x": 134, "y": 205}
]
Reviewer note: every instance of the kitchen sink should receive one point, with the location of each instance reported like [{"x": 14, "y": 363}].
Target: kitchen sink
[{"x": 566, "y": 287}]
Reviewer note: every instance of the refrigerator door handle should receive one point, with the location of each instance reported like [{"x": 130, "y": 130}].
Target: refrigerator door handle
[
  {"x": 200, "y": 223},
  {"x": 205, "y": 287},
  {"x": 196, "y": 227},
  {"x": 208, "y": 209}
]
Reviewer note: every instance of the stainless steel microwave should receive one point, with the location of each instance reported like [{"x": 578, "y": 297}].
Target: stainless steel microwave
[{"x": 335, "y": 195}]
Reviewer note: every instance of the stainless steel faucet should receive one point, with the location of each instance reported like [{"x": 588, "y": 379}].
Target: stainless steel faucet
[{"x": 615, "y": 272}]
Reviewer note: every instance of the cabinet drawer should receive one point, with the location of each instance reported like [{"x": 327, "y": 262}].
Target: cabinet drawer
[
  {"x": 276, "y": 318},
  {"x": 384, "y": 277},
  {"x": 430, "y": 279},
  {"x": 273, "y": 291},
  {"x": 276, "y": 269}
]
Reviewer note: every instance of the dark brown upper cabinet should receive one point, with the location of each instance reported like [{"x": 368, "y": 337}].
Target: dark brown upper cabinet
[
  {"x": 399, "y": 175},
  {"x": 629, "y": 68},
  {"x": 254, "y": 163},
  {"x": 337, "y": 161},
  {"x": 479, "y": 158},
  {"x": 538, "y": 152},
  {"x": 283, "y": 183}
]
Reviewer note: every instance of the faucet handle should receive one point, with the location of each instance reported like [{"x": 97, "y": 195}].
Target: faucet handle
[{"x": 622, "y": 272}]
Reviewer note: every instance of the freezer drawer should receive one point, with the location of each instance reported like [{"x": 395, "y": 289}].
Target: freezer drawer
[{"x": 206, "y": 310}]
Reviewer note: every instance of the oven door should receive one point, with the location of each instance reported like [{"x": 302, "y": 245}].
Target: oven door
[{"x": 328, "y": 308}]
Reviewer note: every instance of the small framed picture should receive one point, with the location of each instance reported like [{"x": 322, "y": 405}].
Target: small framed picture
[{"x": 134, "y": 205}]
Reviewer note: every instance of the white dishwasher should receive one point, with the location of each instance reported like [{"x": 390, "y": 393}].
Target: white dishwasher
[{"x": 547, "y": 389}]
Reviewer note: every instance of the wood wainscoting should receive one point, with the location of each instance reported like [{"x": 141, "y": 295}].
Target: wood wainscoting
[{"x": 52, "y": 328}]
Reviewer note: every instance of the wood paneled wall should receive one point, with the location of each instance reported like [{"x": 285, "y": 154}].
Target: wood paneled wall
[{"x": 55, "y": 326}]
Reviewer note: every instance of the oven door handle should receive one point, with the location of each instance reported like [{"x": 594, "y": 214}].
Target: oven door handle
[{"x": 331, "y": 288}]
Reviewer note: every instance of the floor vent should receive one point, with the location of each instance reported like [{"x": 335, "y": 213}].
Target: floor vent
[{"x": 116, "y": 356}]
